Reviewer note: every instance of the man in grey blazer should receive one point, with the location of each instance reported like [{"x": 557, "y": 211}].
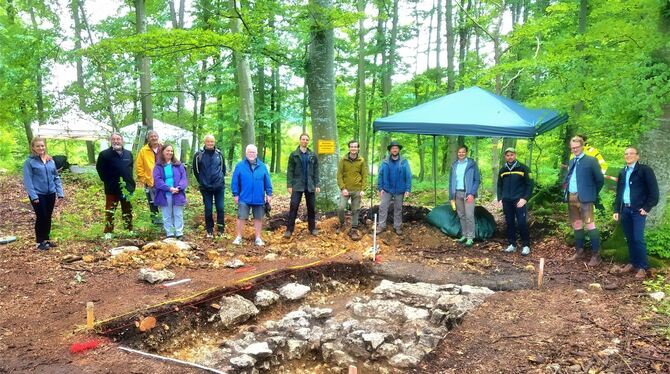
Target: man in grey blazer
[{"x": 582, "y": 185}]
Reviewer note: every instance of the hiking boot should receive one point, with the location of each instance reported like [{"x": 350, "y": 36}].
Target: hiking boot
[
  {"x": 627, "y": 269},
  {"x": 469, "y": 243},
  {"x": 641, "y": 274},
  {"x": 338, "y": 228},
  {"x": 398, "y": 231},
  {"x": 43, "y": 246},
  {"x": 525, "y": 251},
  {"x": 510, "y": 249},
  {"x": 595, "y": 260},
  {"x": 463, "y": 239},
  {"x": 287, "y": 234},
  {"x": 52, "y": 244},
  {"x": 579, "y": 253},
  {"x": 314, "y": 232},
  {"x": 237, "y": 241},
  {"x": 259, "y": 242},
  {"x": 380, "y": 229},
  {"x": 354, "y": 234}
]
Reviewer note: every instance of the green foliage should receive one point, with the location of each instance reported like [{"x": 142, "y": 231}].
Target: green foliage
[{"x": 658, "y": 238}]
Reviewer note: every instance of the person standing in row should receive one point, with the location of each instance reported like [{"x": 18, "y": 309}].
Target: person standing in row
[
  {"x": 394, "y": 182},
  {"x": 464, "y": 179},
  {"x": 302, "y": 177},
  {"x": 582, "y": 186},
  {"x": 514, "y": 190},
  {"x": 170, "y": 182},
  {"x": 115, "y": 169},
  {"x": 252, "y": 188},
  {"x": 144, "y": 168},
  {"x": 43, "y": 186},
  {"x": 209, "y": 168},
  {"x": 636, "y": 194},
  {"x": 352, "y": 172}
]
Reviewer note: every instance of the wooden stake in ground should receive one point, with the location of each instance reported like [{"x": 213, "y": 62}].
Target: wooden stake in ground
[
  {"x": 540, "y": 273},
  {"x": 90, "y": 315},
  {"x": 353, "y": 369}
]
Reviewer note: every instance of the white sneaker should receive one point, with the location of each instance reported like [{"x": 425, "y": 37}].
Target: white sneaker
[
  {"x": 210, "y": 235},
  {"x": 525, "y": 251},
  {"x": 510, "y": 249},
  {"x": 237, "y": 240},
  {"x": 108, "y": 236},
  {"x": 259, "y": 242}
]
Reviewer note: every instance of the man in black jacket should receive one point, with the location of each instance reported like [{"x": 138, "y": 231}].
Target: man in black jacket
[
  {"x": 302, "y": 177},
  {"x": 514, "y": 190},
  {"x": 209, "y": 168},
  {"x": 636, "y": 194},
  {"x": 115, "y": 168}
]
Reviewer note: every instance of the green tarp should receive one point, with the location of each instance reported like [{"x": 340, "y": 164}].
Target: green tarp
[{"x": 446, "y": 219}]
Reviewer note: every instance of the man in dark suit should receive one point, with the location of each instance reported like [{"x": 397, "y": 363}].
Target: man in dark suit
[
  {"x": 582, "y": 185},
  {"x": 636, "y": 194}
]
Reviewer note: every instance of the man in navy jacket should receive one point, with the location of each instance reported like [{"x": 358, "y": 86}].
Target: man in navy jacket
[
  {"x": 514, "y": 189},
  {"x": 582, "y": 185},
  {"x": 209, "y": 168},
  {"x": 636, "y": 194},
  {"x": 394, "y": 182},
  {"x": 115, "y": 168}
]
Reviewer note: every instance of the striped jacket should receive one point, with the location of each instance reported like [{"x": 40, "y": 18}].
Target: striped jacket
[{"x": 514, "y": 182}]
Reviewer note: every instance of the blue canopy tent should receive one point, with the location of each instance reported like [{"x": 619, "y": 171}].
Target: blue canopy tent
[{"x": 470, "y": 112}]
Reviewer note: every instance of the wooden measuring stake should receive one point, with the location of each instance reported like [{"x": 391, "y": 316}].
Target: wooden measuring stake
[
  {"x": 353, "y": 369},
  {"x": 90, "y": 315},
  {"x": 540, "y": 273}
]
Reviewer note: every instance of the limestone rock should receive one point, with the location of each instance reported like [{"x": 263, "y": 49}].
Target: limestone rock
[
  {"x": 155, "y": 276},
  {"x": 234, "y": 264},
  {"x": 375, "y": 339},
  {"x": 235, "y": 310},
  {"x": 265, "y": 298},
  {"x": 403, "y": 361},
  {"x": 271, "y": 257},
  {"x": 126, "y": 248},
  {"x": 296, "y": 348},
  {"x": 243, "y": 361},
  {"x": 258, "y": 350},
  {"x": 294, "y": 291},
  {"x": 658, "y": 296}
]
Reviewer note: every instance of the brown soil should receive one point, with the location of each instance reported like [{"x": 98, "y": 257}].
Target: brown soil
[{"x": 526, "y": 330}]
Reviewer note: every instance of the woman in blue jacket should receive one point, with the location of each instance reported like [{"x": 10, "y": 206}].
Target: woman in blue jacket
[
  {"x": 170, "y": 183},
  {"x": 44, "y": 188},
  {"x": 252, "y": 188}
]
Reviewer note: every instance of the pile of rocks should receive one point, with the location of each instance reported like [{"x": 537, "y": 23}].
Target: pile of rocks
[{"x": 395, "y": 327}]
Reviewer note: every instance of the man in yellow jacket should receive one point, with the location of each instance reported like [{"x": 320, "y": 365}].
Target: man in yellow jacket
[{"x": 144, "y": 168}]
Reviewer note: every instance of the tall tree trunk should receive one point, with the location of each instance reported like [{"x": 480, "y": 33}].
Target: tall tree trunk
[
  {"x": 74, "y": 8},
  {"x": 177, "y": 18},
  {"x": 430, "y": 35},
  {"x": 438, "y": 42},
  {"x": 262, "y": 131},
  {"x": 451, "y": 76},
  {"x": 463, "y": 41},
  {"x": 39, "y": 94},
  {"x": 143, "y": 67},
  {"x": 388, "y": 70},
  {"x": 277, "y": 117},
  {"x": 321, "y": 81},
  {"x": 244, "y": 85},
  {"x": 219, "y": 104},
  {"x": 362, "y": 124}
]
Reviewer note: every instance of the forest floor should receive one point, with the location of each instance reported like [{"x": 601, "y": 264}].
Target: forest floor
[{"x": 567, "y": 326}]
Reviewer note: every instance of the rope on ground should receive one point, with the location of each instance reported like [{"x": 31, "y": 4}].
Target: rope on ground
[{"x": 189, "y": 299}]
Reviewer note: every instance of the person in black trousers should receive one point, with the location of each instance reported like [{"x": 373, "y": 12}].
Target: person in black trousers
[
  {"x": 514, "y": 190},
  {"x": 43, "y": 186},
  {"x": 209, "y": 169},
  {"x": 636, "y": 194},
  {"x": 115, "y": 169},
  {"x": 302, "y": 177}
]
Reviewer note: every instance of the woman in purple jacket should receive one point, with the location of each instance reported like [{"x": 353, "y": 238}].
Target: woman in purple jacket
[{"x": 170, "y": 183}]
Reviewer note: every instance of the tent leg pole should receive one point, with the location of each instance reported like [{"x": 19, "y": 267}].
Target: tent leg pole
[
  {"x": 434, "y": 173},
  {"x": 372, "y": 170},
  {"x": 530, "y": 155}
]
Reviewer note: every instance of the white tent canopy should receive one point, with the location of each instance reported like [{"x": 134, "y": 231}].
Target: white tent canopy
[
  {"x": 166, "y": 133},
  {"x": 73, "y": 125}
]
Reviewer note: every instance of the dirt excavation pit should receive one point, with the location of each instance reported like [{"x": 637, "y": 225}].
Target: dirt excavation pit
[{"x": 317, "y": 320}]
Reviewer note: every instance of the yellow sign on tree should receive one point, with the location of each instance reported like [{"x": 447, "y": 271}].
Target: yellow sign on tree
[{"x": 326, "y": 147}]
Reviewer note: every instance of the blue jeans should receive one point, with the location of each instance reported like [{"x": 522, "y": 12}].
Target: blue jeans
[
  {"x": 516, "y": 217},
  {"x": 217, "y": 198},
  {"x": 173, "y": 217},
  {"x": 633, "y": 228}
]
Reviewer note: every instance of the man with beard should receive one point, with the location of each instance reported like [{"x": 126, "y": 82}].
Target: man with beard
[
  {"x": 115, "y": 168},
  {"x": 394, "y": 184},
  {"x": 352, "y": 172}
]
